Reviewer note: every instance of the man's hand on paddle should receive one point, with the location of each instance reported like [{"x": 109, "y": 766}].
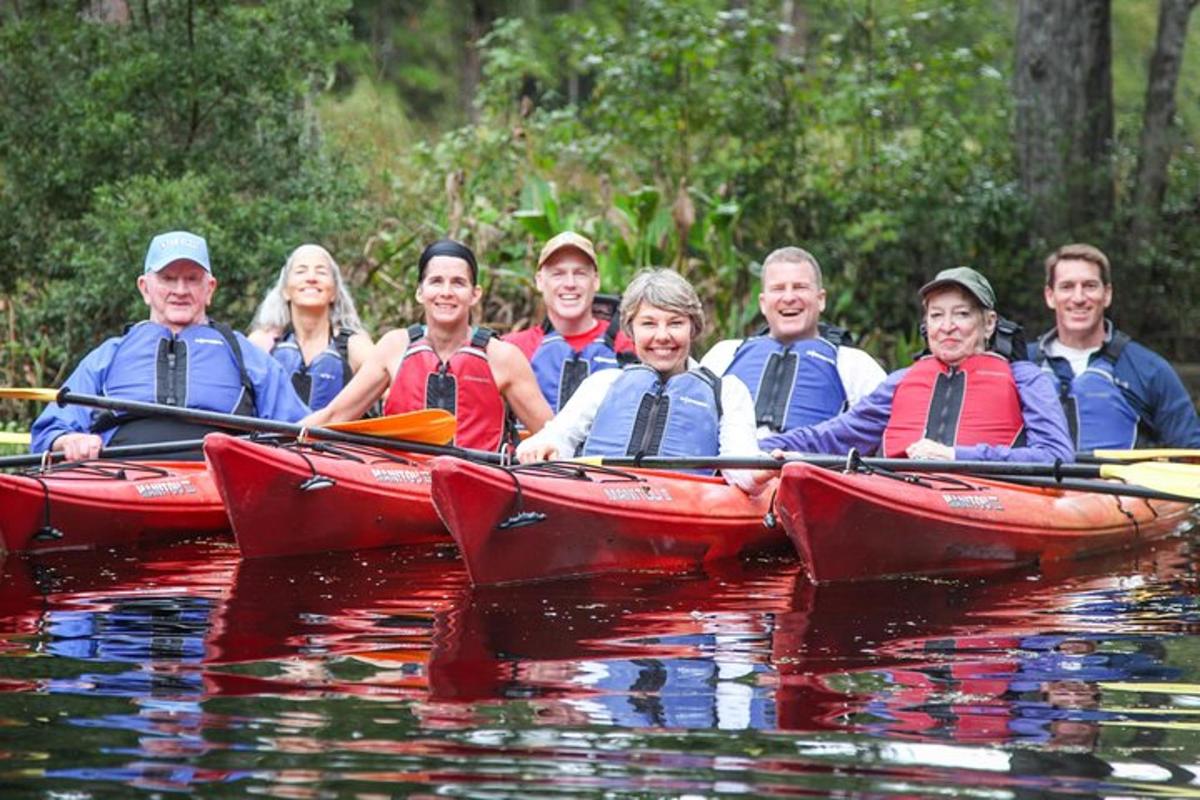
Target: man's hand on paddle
[{"x": 78, "y": 446}]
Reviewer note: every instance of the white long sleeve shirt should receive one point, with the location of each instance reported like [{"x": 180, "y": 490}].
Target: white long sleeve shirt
[{"x": 570, "y": 427}]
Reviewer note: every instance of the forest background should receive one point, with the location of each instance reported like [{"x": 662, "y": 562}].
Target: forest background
[{"x": 892, "y": 138}]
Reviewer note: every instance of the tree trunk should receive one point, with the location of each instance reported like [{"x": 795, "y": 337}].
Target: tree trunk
[
  {"x": 1157, "y": 140},
  {"x": 573, "y": 78},
  {"x": 793, "y": 36},
  {"x": 479, "y": 19},
  {"x": 1064, "y": 110}
]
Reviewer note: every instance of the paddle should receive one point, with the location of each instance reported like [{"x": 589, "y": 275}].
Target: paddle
[
  {"x": 123, "y": 451},
  {"x": 1156, "y": 479},
  {"x": 240, "y": 423},
  {"x": 1144, "y": 454},
  {"x": 428, "y": 425}
]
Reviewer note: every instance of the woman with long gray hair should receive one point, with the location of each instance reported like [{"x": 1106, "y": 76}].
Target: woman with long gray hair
[{"x": 308, "y": 322}]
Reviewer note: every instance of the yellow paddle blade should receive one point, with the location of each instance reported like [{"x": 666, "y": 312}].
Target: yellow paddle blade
[
  {"x": 428, "y": 425},
  {"x": 1159, "y": 688},
  {"x": 31, "y": 393},
  {"x": 1147, "y": 454},
  {"x": 1182, "y": 480},
  {"x": 591, "y": 461},
  {"x": 14, "y": 437}
]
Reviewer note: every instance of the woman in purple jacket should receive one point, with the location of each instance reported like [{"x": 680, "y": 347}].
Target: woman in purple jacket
[{"x": 960, "y": 402}]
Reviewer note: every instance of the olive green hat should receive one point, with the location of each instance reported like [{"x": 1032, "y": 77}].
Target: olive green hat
[{"x": 966, "y": 278}]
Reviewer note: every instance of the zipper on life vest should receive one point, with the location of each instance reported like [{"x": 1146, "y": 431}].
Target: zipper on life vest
[
  {"x": 172, "y": 365},
  {"x": 774, "y": 415},
  {"x": 945, "y": 409},
  {"x": 651, "y": 419}
]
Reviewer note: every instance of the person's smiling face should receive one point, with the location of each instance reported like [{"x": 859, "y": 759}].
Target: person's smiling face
[
  {"x": 662, "y": 338},
  {"x": 1079, "y": 298},
  {"x": 568, "y": 282},
  {"x": 791, "y": 300},
  {"x": 310, "y": 279},
  {"x": 956, "y": 325},
  {"x": 178, "y": 294},
  {"x": 447, "y": 292}
]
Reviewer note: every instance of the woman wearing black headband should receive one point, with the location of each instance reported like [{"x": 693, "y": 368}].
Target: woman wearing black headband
[{"x": 446, "y": 363}]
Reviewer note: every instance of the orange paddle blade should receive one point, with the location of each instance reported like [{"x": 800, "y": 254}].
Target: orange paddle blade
[{"x": 429, "y": 425}]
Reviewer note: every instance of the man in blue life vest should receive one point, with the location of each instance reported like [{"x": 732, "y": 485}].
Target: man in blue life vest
[
  {"x": 572, "y": 342},
  {"x": 1116, "y": 393},
  {"x": 799, "y": 371},
  {"x": 177, "y": 357}
]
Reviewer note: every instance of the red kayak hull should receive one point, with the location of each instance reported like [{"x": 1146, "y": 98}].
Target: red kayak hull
[
  {"x": 108, "y": 503},
  {"x": 377, "y": 498},
  {"x": 861, "y": 526},
  {"x": 587, "y": 521}
]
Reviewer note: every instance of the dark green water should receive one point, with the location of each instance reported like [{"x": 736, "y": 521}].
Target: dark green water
[{"x": 183, "y": 670}]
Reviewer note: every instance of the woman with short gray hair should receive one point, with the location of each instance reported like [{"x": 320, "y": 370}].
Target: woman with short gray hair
[
  {"x": 664, "y": 288},
  {"x": 308, "y": 322},
  {"x": 664, "y": 406}
]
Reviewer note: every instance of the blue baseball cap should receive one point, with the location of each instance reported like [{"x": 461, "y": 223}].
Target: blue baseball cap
[{"x": 167, "y": 248}]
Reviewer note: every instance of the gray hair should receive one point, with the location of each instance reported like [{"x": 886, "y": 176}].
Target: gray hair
[
  {"x": 275, "y": 314},
  {"x": 665, "y": 289},
  {"x": 795, "y": 255}
]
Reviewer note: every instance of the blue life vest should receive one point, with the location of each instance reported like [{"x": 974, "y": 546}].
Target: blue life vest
[
  {"x": 792, "y": 384},
  {"x": 201, "y": 367},
  {"x": 1098, "y": 411},
  {"x": 559, "y": 369},
  {"x": 319, "y": 381},
  {"x": 642, "y": 416}
]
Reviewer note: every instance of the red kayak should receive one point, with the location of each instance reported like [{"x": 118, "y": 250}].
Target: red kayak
[
  {"x": 555, "y": 520},
  {"x": 104, "y": 502},
  {"x": 287, "y": 500},
  {"x": 853, "y": 526}
]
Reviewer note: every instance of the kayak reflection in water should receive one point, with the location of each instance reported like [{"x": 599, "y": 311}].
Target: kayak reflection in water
[
  {"x": 1040, "y": 689},
  {"x": 446, "y": 363},
  {"x": 666, "y": 405},
  {"x": 962, "y": 401}
]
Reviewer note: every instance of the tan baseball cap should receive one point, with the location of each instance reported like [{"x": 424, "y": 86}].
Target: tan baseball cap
[{"x": 567, "y": 239}]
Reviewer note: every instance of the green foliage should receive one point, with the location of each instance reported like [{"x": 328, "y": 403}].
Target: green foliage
[
  {"x": 191, "y": 115},
  {"x": 695, "y": 144},
  {"x": 672, "y": 133}
]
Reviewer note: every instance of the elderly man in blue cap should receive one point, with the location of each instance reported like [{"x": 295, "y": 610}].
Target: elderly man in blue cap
[{"x": 178, "y": 357}]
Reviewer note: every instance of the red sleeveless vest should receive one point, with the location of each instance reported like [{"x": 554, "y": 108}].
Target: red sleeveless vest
[
  {"x": 973, "y": 403},
  {"x": 464, "y": 386}
]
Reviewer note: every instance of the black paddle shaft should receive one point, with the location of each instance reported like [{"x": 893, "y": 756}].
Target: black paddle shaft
[{"x": 253, "y": 424}]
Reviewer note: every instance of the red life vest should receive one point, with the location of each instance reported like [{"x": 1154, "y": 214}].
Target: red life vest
[
  {"x": 464, "y": 386},
  {"x": 973, "y": 403}
]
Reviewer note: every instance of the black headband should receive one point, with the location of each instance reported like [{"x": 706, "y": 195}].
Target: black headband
[{"x": 448, "y": 247}]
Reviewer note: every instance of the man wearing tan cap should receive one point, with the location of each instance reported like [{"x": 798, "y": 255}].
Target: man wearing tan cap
[{"x": 571, "y": 343}]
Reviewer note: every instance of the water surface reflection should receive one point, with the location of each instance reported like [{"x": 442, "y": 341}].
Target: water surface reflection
[{"x": 184, "y": 668}]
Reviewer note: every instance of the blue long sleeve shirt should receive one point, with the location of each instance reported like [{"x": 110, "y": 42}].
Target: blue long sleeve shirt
[
  {"x": 213, "y": 382},
  {"x": 1151, "y": 387}
]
